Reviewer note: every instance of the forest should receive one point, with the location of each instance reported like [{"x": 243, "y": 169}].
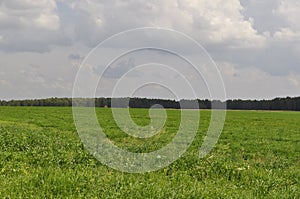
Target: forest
[{"x": 288, "y": 103}]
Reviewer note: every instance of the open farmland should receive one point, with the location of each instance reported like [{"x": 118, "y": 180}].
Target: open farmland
[{"x": 41, "y": 156}]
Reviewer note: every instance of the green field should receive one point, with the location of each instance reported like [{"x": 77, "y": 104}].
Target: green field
[{"x": 41, "y": 156}]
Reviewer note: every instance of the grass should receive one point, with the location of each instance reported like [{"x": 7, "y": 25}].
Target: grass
[{"x": 41, "y": 156}]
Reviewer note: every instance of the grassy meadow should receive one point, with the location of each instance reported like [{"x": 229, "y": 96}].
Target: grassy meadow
[{"x": 41, "y": 156}]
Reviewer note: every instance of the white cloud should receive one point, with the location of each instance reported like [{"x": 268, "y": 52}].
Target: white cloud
[
  {"x": 31, "y": 13},
  {"x": 256, "y": 42},
  {"x": 208, "y": 21},
  {"x": 288, "y": 10},
  {"x": 286, "y": 34},
  {"x": 223, "y": 22},
  {"x": 252, "y": 82},
  {"x": 294, "y": 80},
  {"x": 50, "y": 22},
  {"x": 28, "y": 25}
]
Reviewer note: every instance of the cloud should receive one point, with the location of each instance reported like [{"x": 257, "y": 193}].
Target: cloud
[
  {"x": 294, "y": 80},
  {"x": 26, "y": 13},
  {"x": 205, "y": 20},
  {"x": 76, "y": 57},
  {"x": 39, "y": 25},
  {"x": 264, "y": 15},
  {"x": 30, "y": 25},
  {"x": 275, "y": 20},
  {"x": 290, "y": 10},
  {"x": 259, "y": 39},
  {"x": 116, "y": 70},
  {"x": 36, "y": 75},
  {"x": 252, "y": 82}
]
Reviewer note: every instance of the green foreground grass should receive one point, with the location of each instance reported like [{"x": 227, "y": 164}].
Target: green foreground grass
[{"x": 41, "y": 156}]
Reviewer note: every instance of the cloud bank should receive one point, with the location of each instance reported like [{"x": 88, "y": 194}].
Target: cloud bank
[{"x": 255, "y": 43}]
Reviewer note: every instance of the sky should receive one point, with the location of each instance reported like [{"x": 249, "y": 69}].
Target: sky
[{"x": 254, "y": 45}]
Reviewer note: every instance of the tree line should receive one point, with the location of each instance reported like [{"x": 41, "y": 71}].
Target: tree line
[{"x": 287, "y": 103}]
